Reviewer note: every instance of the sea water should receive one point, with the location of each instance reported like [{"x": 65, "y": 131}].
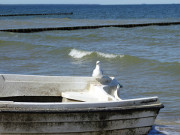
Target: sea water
[{"x": 145, "y": 60}]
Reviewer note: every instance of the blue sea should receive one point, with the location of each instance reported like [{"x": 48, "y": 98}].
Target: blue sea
[{"x": 146, "y": 60}]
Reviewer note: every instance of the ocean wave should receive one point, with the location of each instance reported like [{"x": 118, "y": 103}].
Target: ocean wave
[
  {"x": 168, "y": 129},
  {"x": 81, "y": 53},
  {"x": 78, "y": 53}
]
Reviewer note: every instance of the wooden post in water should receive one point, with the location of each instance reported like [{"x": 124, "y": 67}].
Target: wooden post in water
[
  {"x": 36, "y": 14},
  {"x": 30, "y": 30}
]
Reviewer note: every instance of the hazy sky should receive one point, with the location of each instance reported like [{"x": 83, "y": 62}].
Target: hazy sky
[{"x": 89, "y": 1}]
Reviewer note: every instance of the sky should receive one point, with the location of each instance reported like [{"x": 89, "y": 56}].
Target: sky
[{"x": 103, "y": 2}]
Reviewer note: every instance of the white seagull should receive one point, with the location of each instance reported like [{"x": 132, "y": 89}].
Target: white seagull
[
  {"x": 97, "y": 72},
  {"x": 117, "y": 92}
]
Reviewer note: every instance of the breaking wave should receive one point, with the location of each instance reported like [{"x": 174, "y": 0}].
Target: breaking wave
[{"x": 80, "y": 54}]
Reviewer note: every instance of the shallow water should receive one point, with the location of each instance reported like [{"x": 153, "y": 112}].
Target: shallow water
[{"x": 144, "y": 59}]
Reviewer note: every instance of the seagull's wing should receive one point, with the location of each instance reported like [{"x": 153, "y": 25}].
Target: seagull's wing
[
  {"x": 101, "y": 71},
  {"x": 93, "y": 72}
]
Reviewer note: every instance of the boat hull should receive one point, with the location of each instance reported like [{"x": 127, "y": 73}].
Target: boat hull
[{"x": 89, "y": 121}]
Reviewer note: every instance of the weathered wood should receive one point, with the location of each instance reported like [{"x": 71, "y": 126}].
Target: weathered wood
[
  {"x": 80, "y": 122},
  {"x": 131, "y": 131},
  {"x": 105, "y": 120},
  {"x": 124, "y": 122},
  {"x": 36, "y": 14},
  {"x": 73, "y": 108},
  {"x": 74, "y": 127},
  {"x": 76, "y": 117},
  {"x": 30, "y": 30}
]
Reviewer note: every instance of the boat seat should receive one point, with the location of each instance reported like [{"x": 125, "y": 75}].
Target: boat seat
[{"x": 79, "y": 96}]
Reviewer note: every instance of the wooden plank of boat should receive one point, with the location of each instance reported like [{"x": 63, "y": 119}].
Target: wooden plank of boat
[
  {"x": 77, "y": 127},
  {"x": 124, "y": 120}
]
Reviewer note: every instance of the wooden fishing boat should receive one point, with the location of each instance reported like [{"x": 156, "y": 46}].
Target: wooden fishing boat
[{"x": 31, "y": 104}]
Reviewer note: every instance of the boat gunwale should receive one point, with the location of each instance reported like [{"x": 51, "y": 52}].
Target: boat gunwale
[
  {"x": 70, "y": 104},
  {"x": 82, "y": 110}
]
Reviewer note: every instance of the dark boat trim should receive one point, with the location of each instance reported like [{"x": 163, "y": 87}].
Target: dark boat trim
[{"x": 64, "y": 110}]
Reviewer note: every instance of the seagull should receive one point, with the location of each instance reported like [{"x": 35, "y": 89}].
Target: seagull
[
  {"x": 97, "y": 72},
  {"x": 117, "y": 92}
]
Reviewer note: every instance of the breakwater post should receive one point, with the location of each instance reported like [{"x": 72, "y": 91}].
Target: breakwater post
[
  {"x": 36, "y": 14},
  {"x": 30, "y": 30}
]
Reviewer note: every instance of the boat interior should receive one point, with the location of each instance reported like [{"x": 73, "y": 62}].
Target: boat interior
[{"x": 34, "y": 88}]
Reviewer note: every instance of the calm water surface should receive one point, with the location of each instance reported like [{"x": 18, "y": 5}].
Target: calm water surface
[{"x": 146, "y": 60}]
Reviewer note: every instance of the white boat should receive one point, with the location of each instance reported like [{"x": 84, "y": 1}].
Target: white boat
[{"x": 62, "y": 105}]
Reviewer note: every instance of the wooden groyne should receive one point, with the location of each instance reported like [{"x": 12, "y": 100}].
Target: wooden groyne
[
  {"x": 30, "y": 30},
  {"x": 37, "y": 14}
]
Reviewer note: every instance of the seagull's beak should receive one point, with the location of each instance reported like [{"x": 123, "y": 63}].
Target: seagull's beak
[{"x": 120, "y": 86}]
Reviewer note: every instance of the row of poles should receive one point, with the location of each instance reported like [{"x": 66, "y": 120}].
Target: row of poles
[{"x": 30, "y": 30}]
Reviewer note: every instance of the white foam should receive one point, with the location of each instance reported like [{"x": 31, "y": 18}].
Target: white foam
[
  {"x": 106, "y": 55},
  {"x": 80, "y": 54}
]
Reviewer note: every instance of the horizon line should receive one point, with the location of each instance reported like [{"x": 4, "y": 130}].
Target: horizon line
[{"x": 89, "y": 4}]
